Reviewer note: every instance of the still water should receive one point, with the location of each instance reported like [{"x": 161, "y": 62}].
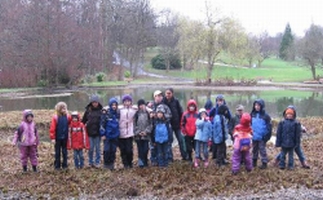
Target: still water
[{"x": 308, "y": 103}]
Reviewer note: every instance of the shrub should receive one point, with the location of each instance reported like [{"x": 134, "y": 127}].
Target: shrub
[
  {"x": 42, "y": 83},
  {"x": 127, "y": 74},
  {"x": 158, "y": 62},
  {"x": 100, "y": 76}
]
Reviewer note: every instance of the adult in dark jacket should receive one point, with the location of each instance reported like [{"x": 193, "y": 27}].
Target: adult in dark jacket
[
  {"x": 235, "y": 120},
  {"x": 288, "y": 137},
  {"x": 262, "y": 127},
  {"x": 91, "y": 120},
  {"x": 177, "y": 112}
]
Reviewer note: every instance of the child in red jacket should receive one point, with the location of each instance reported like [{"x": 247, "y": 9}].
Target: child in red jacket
[
  {"x": 188, "y": 126},
  {"x": 77, "y": 140}
]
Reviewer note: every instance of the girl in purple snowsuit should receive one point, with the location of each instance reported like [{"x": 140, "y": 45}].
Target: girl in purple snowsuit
[
  {"x": 26, "y": 137},
  {"x": 242, "y": 135}
]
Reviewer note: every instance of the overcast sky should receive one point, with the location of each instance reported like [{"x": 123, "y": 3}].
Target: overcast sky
[{"x": 255, "y": 16}]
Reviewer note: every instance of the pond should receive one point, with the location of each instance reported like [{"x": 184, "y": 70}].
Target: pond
[{"x": 308, "y": 103}]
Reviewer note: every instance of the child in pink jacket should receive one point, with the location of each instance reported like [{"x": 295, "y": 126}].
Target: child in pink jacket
[{"x": 26, "y": 137}]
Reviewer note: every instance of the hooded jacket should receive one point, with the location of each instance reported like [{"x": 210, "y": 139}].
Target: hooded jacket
[
  {"x": 204, "y": 130},
  {"x": 242, "y": 130},
  {"x": 189, "y": 118},
  {"x": 288, "y": 131},
  {"x": 77, "y": 137},
  {"x": 260, "y": 122},
  {"x": 91, "y": 117},
  {"x": 26, "y": 134},
  {"x": 110, "y": 121},
  {"x": 219, "y": 127},
  {"x": 126, "y": 121}
]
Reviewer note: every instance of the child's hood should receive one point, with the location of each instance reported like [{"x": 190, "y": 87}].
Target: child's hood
[
  {"x": 261, "y": 102},
  {"x": 290, "y": 107},
  {"x": 26, "y": 113},
  {"x": 112, "y": 101},
  {"x": 190, "y": 102}
]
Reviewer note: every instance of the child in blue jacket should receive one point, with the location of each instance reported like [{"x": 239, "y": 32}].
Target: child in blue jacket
[
  {"x": 202, "y": 136},
  {"x": 261, "y": 126},
  {"x": 162, "y": 131},
  {"x": 110, "y": 132},
  {"x": 288, "y": 137}
]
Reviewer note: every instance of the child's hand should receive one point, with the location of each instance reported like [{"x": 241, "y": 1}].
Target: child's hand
[
  {"x": 53, "y": 141},
  {"x": 103, "y": 138}
]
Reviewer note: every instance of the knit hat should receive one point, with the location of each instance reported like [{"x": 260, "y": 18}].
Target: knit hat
[
  {"x": 140, "y": 102},
  {"x": 157, "y": 92},
  {"x": 95, "y": 98},
  {"x": 289, "y": 111},
  {"x": 126, "y": 97},
  {"x": 161, "y": 109}
]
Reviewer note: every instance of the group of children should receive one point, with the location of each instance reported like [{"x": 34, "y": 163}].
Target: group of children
[{"x": 150, "y": 124}]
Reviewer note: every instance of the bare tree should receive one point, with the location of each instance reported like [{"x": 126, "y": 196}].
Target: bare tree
[{"x": 311, "y": 47}]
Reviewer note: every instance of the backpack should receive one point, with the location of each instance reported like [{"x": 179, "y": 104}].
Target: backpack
[
  {"x": 245, "y": 144},
  {"x": 161, "y": 132}
]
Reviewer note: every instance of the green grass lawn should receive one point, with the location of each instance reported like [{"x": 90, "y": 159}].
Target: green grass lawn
[{"x": 272, "y": 68}]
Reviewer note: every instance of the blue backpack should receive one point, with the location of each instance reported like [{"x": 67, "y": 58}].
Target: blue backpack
[{"x": 161, "y": 133}]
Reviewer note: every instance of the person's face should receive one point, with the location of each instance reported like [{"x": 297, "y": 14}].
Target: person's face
[
  {"x": 158, "y": 98},
  {"x": 160, "y": 115},
  {"x": 142, "y": 107},
  {"x": 95, "y": 104},
  {"x": 74, "y": 119},
  {"x": 289, "y": 116},
  {"x": 29, "y": 118},
  {"x": 191, "y": 108},
  {"x": 220, "y": 102},
  {"x": 63, "y": 110},
  {"x": 168, "y": 94},
  {"x": 203, "y": 115},
  {"x": 127, "y": 103},
  {"x": 239, "y": 112},
  {"x": 114, "y": 106},
  {"x": 257, "y": 106},
  {"x": 151, "y": 114}
]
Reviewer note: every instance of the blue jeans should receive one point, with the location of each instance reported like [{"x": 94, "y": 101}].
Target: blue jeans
[
  {"x": 201, "y": 147},
  {"x": 110, "y": 149},
  {"x": 143, "y": 148},
  {"x": 299, "y": 152},
  {"x": 78, "y": 158},
  {"x": 162, "y": 154},
  {"x": 290, "y": 152},
  {"x": 60, "y": 147},
  {"x": 95, "y": 146}
]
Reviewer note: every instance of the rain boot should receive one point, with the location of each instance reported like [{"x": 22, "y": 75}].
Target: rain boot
[
  {"x": 263, "y": 166},
  {"x": 24, "y": 168},
  {"x": 254, "y": 163},
  {"x": 196, "y": 163},
  {"x": 206, "y": 163},
  {"x": 35, "y": 169}
]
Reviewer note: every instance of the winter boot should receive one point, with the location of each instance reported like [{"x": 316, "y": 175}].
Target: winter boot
[
  {"x": 24, "y": 168},
  {"x": 35, "y": 169},
  {"x": 304, "y": 165},
  {"x": 263, "y": 166},
  {"x": 254, "y": 163},
  {"x": 196, "y": 163},
  {"x": 206, "y": 163}
]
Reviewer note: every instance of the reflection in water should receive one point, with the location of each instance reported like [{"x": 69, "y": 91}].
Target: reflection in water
[{"x": 308, "y": 104}]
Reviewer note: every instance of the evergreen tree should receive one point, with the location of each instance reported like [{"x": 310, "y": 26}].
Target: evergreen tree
[{"x": 286, "y": 45}]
